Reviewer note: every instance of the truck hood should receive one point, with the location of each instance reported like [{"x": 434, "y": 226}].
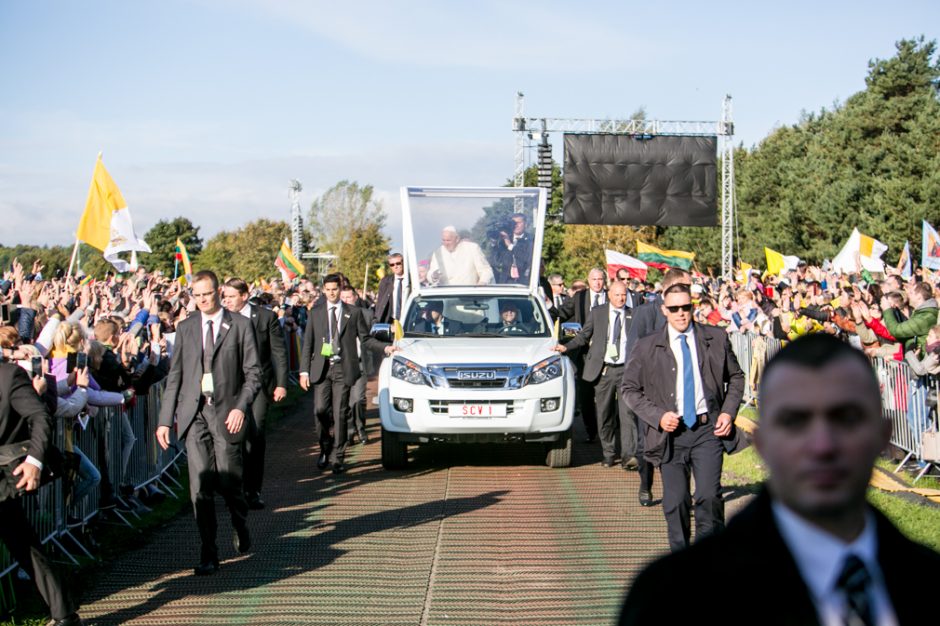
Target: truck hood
[{"x": 528, "y": 350}]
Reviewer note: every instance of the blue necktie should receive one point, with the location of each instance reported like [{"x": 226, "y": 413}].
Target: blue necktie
[
  {"x": 615, "y": 337},
  {"x": 688, "y": 385}
]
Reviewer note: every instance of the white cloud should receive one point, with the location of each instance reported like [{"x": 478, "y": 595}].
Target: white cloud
[{"x": 223, "y": 196}]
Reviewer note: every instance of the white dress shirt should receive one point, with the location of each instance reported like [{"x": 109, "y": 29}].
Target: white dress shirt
[
  {"x": 622, "y": 348},
  {"x": 820, "y": 557},
  {"x": 339, "y": 320},
  {"x": 601, "y": 298},
  {"x": 246, "y": 310},
  {"x": 676, "y": 344},
  {"x": 404, "y": 292}
]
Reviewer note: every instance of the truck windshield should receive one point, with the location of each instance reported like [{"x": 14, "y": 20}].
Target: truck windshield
[{"x": 476, "y": 316}]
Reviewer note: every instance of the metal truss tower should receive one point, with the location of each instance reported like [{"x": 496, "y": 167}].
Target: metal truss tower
[
  {"x": 537, "y": 128},
  {"x": 727, "y": 190},
  {"x": 296, "y": 219}
]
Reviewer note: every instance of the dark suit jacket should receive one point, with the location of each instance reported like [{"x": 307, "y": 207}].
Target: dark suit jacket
[
  {"x": 577, "y": 308},
  {"x": 23, "y": 415},
  {"x": 649, "y": 383},
  {"x": 598, "y": 323},
  {"x": 451, "y": 327},
  {"x": 272, "y": 351},
  {"x": 236, "y": 372},
  {"x": 647, "y": 319},
  {"x": 385, "y": 300},
  {"x": 680, "y": 587},
  {"x": 353, "y": 326}
]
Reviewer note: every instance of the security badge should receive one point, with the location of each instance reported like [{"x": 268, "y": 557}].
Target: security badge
[{"x": 207, "y": 385}]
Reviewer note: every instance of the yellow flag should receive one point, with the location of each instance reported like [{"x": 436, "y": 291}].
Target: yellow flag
[
  {"x": 104, "y": 198},
  {"x": 380, "y": 273},
  {"x": 398, "y": 330},
  {"x": 745, "y": 272},
  {"x": 775, "y": 262},
  {"x": 556, "y": 329}
]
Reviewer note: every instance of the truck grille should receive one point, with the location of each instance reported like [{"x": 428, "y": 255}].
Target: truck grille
[{"x": 496, "y": 383}]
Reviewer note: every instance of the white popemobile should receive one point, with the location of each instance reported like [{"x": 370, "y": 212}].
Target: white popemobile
[{"x": 475, "y": 361}]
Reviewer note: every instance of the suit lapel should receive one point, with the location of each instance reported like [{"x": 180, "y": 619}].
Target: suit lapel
[
  {"x": 226, "y": 325},
  {"x": 702, "y": 343}
]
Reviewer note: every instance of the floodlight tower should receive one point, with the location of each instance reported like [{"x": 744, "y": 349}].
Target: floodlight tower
[
  {"x": 726, "y": 132},
  {"x": 296, "y": 220}
]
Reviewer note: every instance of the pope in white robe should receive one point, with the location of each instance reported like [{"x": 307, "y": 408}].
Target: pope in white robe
[{"x": 458, "y": 262}]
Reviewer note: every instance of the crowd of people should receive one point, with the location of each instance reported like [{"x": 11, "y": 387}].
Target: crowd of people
[{"x": 86, "y": 344}]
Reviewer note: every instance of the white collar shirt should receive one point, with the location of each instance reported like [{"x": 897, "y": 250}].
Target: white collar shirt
[
  {"x": 820, "y": 557},
  {"x": 216, "y": 326},
  {"x": 701, "y": 406},
  {"x": 339, "y": 318},
  {"x": 596, "y": 298},
  {"x": 404, "y": 291},
  {"x": 622, "y": 344},
  {"x": 246, "y": 310}
]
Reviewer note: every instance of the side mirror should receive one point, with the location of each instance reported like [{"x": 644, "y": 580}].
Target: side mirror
[
  {"x": 570, "y": 329},
  {"x": 382, "y": 332}
]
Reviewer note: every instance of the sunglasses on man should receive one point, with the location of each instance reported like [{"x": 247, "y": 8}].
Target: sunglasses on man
[
  {"x": 394, "y": 263},
  {"x": 679, "y": 307}
]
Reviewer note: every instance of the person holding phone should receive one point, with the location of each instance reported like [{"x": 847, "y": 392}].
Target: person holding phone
[{"x": 23, "y": 417}]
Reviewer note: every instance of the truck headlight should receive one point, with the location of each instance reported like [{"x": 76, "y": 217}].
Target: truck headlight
[
  {"x": 410, "y": 372},
  {"x": 544, "y": 371}
]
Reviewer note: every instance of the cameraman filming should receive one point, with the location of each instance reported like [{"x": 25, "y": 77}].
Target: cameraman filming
[{"x": 513, "y": 251}]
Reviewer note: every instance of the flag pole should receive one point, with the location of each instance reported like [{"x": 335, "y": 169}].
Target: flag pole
[
  {"x": 365, "y": 281},
  {"x": 72, "y": 261},
  {"x": 176, "y": 266}
]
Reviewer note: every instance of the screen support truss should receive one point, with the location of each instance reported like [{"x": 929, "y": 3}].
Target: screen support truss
[{"x": 536, "y": 128}]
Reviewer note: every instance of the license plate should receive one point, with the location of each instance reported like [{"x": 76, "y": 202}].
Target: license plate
[{"x": 477, "y": 410}]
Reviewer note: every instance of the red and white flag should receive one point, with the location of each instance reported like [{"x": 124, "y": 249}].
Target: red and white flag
[{"x": 617, "y": 261}]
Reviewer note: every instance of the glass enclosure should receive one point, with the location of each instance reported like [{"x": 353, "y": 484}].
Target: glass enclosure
[
  {"x": 473, "y": 236},
  {"x": 475, "y": 316}
]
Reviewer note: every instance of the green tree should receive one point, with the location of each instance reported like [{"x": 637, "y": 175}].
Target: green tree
[
  {"x": 347, "y": 220},
  {"x": 247, "y": 253},
  {"x": 162, "y": 241}
]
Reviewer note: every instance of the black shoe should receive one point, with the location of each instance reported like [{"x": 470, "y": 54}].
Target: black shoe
[
  {"x": 338, "y": 468},
  {"x": 631, "y": 464},
  {"x": 255, "y": 503},
  {"x": 70, "y": 620},
  {"x": 323, "y": 461},
  {"x": 241, "y": 540},
  {"x": 646, "y": 498},
  {"x": 207, "y": 567},
  {"x": 590, "y": 439},
  {"x": 607, "y": 463}
]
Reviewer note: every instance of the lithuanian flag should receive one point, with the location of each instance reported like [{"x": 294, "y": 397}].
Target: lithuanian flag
[
  {"x": 664, "y": 259},
  {"x": 182, "y": 256},
  {"x": 287, "y": 263}
]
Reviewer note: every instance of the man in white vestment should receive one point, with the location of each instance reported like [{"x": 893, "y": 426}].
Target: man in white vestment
[{"x": 458, "y": 262}]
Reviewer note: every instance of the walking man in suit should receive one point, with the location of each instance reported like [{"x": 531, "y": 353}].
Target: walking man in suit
[
  {"x": 24, "y": 418},
  {"x": 272, "y": 353},
  {"x": 816, "y": 552},
  {"x": 330, "y": 363},
  {"x": 393, "y": 291},
  {"x": 213, "y": 379},
  {"x": 606, "y": 334},
  {"x": 685, "y": 384},
  {"x": 577, "y": 309},
  {"x": 357, "y": 393},
  {"x": 649, "y": 318}
]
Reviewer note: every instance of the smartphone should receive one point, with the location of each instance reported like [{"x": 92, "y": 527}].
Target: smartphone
[
  {"x": 70, "y": 361},
  {"x": 36, "y": 366},
  {"x": 4, "y": 313},
  {"x": 81, "y": 360}
]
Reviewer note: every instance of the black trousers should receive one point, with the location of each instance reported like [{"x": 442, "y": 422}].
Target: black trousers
[
  {"x": 20, "y": 539},
  {"x": 331, "y": 398},
  {"x": 644, "y": 467},
  {"x": 255, "y": 443},
  {"x": 357, "y": 401},
  {"x": 699, "y": 453},
  {"x": 215, "y": 465},
  {"x": 584, "y": 394}
]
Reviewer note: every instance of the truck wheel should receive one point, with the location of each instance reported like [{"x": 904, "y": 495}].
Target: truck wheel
[
  {"x": 559, "y": 452},
  {"x": 394, "y": 452}
]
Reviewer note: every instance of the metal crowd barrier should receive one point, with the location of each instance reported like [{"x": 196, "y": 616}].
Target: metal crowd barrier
[
  {"x": 907, "y": 400},
  {"x": 51, "y": 510}
]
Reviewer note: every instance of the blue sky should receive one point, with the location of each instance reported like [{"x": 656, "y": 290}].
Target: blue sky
[{"x": 207, "y": 108}]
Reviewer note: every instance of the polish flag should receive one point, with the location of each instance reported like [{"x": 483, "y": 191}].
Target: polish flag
[{"x": 617, "y": 261}]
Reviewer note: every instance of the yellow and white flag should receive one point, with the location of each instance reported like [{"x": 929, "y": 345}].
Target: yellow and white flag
[
  {"x": 106, "y": 223},
  {"x": 860, "y": 248}
]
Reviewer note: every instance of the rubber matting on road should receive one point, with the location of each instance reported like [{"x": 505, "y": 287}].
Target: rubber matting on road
[{"x": 472, "y": 534}]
